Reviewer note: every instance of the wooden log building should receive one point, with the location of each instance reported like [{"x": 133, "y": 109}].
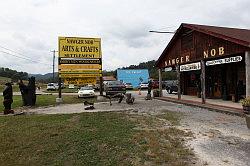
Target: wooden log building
[{"x": 211, "y": 62}]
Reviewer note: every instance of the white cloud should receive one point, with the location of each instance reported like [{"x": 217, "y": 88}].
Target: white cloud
[{"x": 32, "y": 27}]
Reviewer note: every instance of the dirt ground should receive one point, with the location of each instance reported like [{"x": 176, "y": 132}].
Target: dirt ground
[{"x": 219, "y": 139}]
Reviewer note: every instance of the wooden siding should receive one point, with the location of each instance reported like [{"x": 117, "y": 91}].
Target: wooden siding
[{"x": 190, "y": 45}]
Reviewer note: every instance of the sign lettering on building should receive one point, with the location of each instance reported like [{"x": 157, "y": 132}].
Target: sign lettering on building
[
  {"x": 223, "y": 61},
  {"x": 190, "y": 67},
  {"x": 213, "y": 52}
]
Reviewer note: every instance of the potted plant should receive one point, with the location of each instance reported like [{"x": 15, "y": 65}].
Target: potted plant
[
  {"x": 246, "y": 109},
  {"x": 246, "y": 104}
]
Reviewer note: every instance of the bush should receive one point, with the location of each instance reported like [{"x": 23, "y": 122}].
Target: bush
[{"x": 246, "y": 101}]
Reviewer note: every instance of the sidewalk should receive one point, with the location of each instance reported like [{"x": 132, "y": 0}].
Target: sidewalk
[{"x": 218, "y": 105}]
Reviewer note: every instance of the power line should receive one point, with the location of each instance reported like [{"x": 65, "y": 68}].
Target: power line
[{"x": 22, "y": 57}]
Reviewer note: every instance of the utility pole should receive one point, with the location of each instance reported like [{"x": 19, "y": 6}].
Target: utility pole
[{"x": 54, "y": 54}]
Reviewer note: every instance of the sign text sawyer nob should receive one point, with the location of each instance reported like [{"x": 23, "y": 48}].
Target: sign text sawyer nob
[{"x": 79, "y": 59}]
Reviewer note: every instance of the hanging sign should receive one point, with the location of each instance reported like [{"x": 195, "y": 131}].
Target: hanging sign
[
  {"x": 168, "y": 69},
  {"x": 190, "y": 67},
  {"x": 223, "y": 61}
]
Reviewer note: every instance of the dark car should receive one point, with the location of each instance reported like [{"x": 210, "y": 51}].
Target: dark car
[
  {"x": 155, "y": 84},
  {"x": 114, "y": 87},
  {"x": 171, "y": 86}
]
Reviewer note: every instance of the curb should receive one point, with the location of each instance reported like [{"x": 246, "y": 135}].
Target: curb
[{"x": 210, "y": 107}]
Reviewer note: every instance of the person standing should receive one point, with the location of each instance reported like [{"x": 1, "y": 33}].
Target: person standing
[{"x": 8, "y": 98}]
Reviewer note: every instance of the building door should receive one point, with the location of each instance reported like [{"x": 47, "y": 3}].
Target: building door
[{"x": 213, "y": 82}]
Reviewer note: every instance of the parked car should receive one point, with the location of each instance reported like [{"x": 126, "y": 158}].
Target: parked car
[
  {"x": 129, "y": 86},
  {"x": 171, "y": 86},
  {"x": 143, "y": 85},
  {"x": 114, "y": 87},
  {"x": 71, "y": 86},
  {"x": 86, "y": 91},
  {"x": 52, "y": 86}
]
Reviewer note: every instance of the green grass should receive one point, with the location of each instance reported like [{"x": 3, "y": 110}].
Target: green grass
[
  {"x": 89, "y": 139},
  {"x": 45, "y": 100},
  {"x": 15, "y": 88},
  {"x": 65, "y": 90}
]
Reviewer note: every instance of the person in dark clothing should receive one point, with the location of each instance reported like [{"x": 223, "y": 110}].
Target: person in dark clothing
[
  {"x": 150, "y": 84},
  {"x": 8, "y": 98}
]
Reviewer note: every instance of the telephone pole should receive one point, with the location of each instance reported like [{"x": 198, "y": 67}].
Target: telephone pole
[{"x": 54, "y": 55}]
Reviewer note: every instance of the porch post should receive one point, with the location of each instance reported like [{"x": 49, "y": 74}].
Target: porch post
[
  {"x": 160, "y": 82},
  {"x": 178, "y": 81},
  {"x": 247, "y": 61},
  {"x": 203, "y": 88}
]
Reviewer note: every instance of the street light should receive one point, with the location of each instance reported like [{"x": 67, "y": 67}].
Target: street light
[
  {"x": 162, "y": 32},
  {"x": 160, "y": 71}
]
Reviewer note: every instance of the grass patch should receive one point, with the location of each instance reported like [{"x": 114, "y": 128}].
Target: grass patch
[
  {"x": 15, "y": 88},
  {"x": 90, "y": 139},
  {"x": 64, "y": 90},
  {"x": 46, "y": 100}
]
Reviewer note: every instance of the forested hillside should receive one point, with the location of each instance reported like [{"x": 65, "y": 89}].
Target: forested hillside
[{"x": 13, "y": 74}]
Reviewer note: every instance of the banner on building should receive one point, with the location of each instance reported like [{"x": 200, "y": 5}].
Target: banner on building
[{"x": 190, "y": 67}]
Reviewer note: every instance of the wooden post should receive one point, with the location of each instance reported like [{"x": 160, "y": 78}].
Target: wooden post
[
  {"x": 203, "y": 88},
  {"x": 160, "y": 82},
  {"x": 178, "y": 81},
  {"x": 59, "y": 87},
  {"x": 247, "y": 62},
  {"x": 101, "y": 86}
]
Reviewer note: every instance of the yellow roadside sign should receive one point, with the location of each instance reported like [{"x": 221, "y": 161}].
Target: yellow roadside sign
[
  {"x": 80, "y": 71},
  {"x": 75, "y": 47},
  {"x": 79, "y": 75},
  {"x": 73, "y": 67},
  {"x": 80, "y": 81}
]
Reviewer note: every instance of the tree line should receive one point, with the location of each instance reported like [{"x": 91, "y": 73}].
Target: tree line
[{"x": 13, "y": 74}]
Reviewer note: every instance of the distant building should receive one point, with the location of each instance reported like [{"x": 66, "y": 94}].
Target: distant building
[
  {"x": 108, "y": 78},
  {"x": 133, "y": 76}
]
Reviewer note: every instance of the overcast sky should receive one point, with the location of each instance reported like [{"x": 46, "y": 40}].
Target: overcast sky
[{"x": 31, "y": 28}]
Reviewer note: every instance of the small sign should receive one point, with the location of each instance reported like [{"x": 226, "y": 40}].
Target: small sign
[
  {"x": 78, "y": 61},
  {"x": 78, "y": 67},
  {"x": 63, "y": 75},
  {"x": 80, "y": 81},
  {"x": 191, "y": 66},
  {"x": 168, "y": 69},
  {"x": 80, "y": 71},
  {"x": 223, "y": 61}
]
